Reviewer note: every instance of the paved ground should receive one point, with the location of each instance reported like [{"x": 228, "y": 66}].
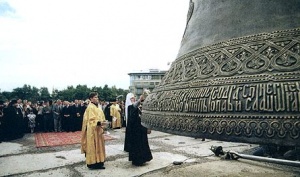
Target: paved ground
[{"x": 22, "y": 158}]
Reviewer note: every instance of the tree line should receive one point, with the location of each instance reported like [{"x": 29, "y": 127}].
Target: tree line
[{"x": 80, "y": 92}]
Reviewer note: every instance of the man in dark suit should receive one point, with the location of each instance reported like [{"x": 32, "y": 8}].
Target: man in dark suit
[
  {"x": 67, "y": 121},
  {"x": 77, "y": 116},
  {"x": 57, "y": 110}
]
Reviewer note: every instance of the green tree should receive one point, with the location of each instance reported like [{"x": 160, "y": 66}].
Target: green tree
[
  {"x": 5, "y": 96},
  {"x": 44, "y": 94},
  {"x": 34, "y": 95},
  {"x": 67, "y": 94},
  {"x": 106, "y": 93},
  {"x": 81, "y": 92},
  {"x": 54, "y": 94},
  {"x": 25, "y": 93},
  {"x": 70, "y": 93},
  {"x": 18, "y": 93}
]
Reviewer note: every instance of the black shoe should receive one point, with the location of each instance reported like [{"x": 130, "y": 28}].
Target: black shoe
[
  {"x": 91, "y": 167},
  {"x": 100, "y": 165},
  {"x": 101, "y": 168},
  {"x": 96, "y": 166},
  {"x": 138, "y": 164}
]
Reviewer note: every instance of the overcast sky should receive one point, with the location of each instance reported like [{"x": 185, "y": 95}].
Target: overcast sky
[{"x": 59, "y": 43}]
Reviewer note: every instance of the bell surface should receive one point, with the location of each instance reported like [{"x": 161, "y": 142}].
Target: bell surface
[{"x": 236, "y": 76}]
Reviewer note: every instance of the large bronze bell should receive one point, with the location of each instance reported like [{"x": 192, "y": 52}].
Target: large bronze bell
[{"x": 236, "y": 76}]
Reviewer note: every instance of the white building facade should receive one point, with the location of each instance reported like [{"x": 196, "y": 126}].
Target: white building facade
[{"x": 147, "y": 79}]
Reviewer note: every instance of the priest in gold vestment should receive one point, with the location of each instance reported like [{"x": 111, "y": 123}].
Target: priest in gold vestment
[
  {"x": 116, "y": 115},
  {"x": 92, "y": 139}
]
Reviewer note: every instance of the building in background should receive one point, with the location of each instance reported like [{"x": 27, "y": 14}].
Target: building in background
[{"x": 141, "y": 80}]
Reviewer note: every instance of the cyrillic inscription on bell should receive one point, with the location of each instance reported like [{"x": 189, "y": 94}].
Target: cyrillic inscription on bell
[{"x": 236, "y": 76}]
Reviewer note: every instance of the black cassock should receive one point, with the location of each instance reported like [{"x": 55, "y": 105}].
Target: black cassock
[
  {"x": 136, "y": 138},
  {"x": 107, "y": 112},
  {"x": 13, "y": 123}
]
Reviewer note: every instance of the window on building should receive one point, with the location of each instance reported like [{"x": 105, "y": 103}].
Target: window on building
[{"x": 155, "y": 77}]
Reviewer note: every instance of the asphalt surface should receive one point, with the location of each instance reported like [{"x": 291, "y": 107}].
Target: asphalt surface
[{"x": 172, "y": 156}]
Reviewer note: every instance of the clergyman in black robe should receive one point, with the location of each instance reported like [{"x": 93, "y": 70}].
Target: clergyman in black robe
[
  {"x": 130, "y": 99},
  {"x": 13, "y": 121},
  {"x": 107, "y": 115},
  {"x": 139, "y": 150}
]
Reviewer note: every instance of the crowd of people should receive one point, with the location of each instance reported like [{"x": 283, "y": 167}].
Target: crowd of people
[
  {"x": 18, "y": 117},
  {"x": 91, "y": 117}
]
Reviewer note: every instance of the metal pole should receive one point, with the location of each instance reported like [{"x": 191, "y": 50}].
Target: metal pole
[{"x": 266, "y": 159}]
